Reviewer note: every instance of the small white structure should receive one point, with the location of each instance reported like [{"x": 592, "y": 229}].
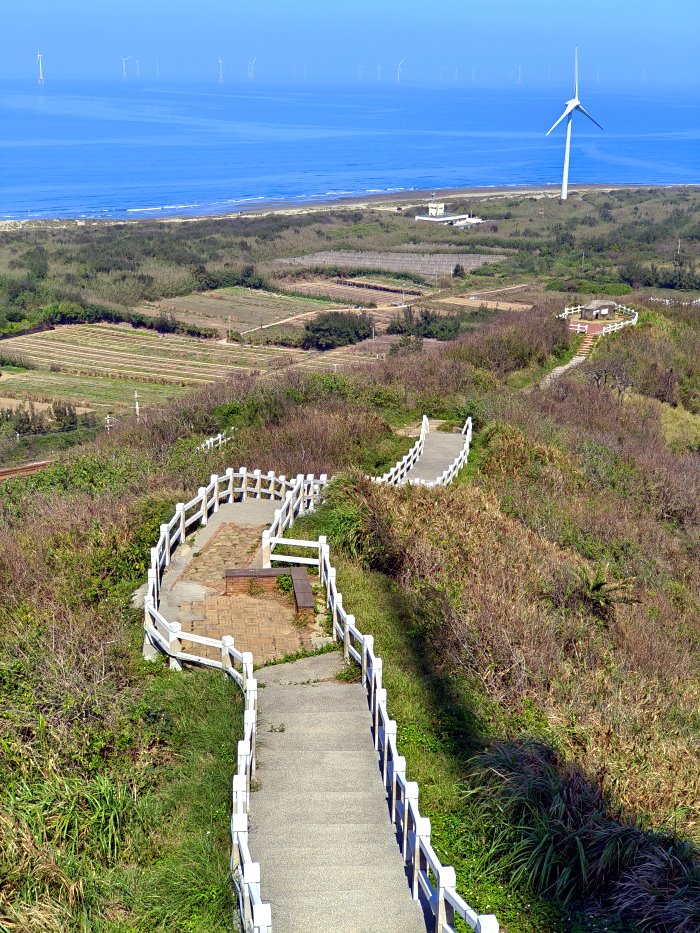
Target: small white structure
[{"x": 436, "y": 214}]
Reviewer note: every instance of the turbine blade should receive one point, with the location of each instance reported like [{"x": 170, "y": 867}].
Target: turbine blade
[
  {"x": 576, "y": 73},
  {"x": 587, "y": 114},
  {"x": 565, "y": 114}
]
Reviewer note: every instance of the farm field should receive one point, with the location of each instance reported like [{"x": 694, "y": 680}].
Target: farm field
[
  {"x": 418, "y": 263},
  {"x": 100, "y": 366},
  {"x": 106, "y": 350},
  {"x": 88, "y": 393},
  {"x": 364, "y": 293},
  {"x": 247, "y": 308},
  {"x": 466, "y": 301}
]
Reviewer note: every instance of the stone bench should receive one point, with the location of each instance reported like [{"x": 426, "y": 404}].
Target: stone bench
[{"x": 238, "y": 582}]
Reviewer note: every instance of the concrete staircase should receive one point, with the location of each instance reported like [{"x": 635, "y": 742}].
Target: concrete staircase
[
  {"x": 439, "y": 452},
  {"x": 319, "y": 820}
]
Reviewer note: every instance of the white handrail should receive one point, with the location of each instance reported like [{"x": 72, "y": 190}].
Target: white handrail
[
  {"x": 582, "y": 328},
  {"x": 299, "y": 496},
  {"x": 436, "y": 882},
  {"x": 219, "y": 440},
  {"x": 168, "y": 637},
  {"x": 396, "y": 476},
  {"x": 453, "y": 469}
]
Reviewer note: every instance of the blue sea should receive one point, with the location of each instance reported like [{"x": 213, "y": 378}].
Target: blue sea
[{"x": 138, "y": 150}]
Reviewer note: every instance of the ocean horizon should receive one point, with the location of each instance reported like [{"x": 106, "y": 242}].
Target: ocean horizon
[{"x": 137, "y": 150}]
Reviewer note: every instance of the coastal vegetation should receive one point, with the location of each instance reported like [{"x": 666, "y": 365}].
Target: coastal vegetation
[{"x": 538, "y": 620}]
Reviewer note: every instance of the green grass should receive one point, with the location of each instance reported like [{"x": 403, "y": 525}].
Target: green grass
[
  {"x": 443, "y": 722},
  {"x": 523, "y": 379},
  {"x": 180, "y": 879}
]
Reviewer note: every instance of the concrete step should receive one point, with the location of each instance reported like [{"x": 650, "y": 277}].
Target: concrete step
[
  {"x": 331, "y": 808},
  {"x": 352, "y": 912},
  {"x": 292, "y": 742},
  {"x": 313, "y": 847}
]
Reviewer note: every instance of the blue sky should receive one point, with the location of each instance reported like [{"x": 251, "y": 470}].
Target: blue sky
[{"x": 490, "y": 43}]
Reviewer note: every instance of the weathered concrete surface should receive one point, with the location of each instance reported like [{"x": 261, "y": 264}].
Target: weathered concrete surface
[
  {"x": 439, "y": 452},
  {"x": 319, "y": 821}
]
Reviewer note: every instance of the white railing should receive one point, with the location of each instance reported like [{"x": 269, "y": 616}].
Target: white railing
[
  {"x": 629, "y": 313},
  {"x": 567, "y": 312},
  {"x": 161, "y": 635},
  {"x": 582, "y": 328},
  {"x": 428, "y": 877},
  {"x": 396, "y": 476},
  {"x": 219, "y": 440},
  {"x": 453, "y": 469}
]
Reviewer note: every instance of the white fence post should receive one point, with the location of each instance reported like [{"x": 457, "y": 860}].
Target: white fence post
[
  {"x": 227, "y": 643},
  {"x": 202, "y": 494},
  {"x": 174, "y": 644},
  {"x": 322, "y": 543},
  {"x": 422, "y": 832},
  {"x": 257, "y": 484},
  {"x": 180, "y": 512},
  {"x": 389, "y": 734},
  {"x": 244, "y": 483},
  {"x": 165, "y": 533},
  {"x": 444, "y": 912},
  {"x": 214, "y": 481},
  {"x": 231, "y": 480},
  {"x": 367, "y": 646},
  {"x": 410, "y": 804},
  {"x": 266, "y": 550},
  {"x": 349, "y": 620}
]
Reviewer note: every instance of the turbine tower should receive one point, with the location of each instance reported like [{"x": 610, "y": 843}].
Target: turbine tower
[
  {"x": 251, "y": 69},
  {"x": 571, "y": 105},
  {"x": 124, "y": 61},
  {"x": 398, "y": 71},
  {"x": 221, "y": 71},
  {"x": 40, "y": 59}
]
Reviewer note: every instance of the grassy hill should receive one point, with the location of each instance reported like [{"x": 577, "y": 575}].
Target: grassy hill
[{"x": 539, "y": 622}]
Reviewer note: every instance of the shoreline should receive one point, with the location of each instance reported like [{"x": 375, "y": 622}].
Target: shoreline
[{"x": 390, "y": 200}]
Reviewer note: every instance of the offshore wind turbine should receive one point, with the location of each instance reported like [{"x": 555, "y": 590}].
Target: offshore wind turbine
[
  {"x": 40, "y": 59},
  {"x": 124, "y": 61},
  {"x": 221, "y": 71},
  {"x": 398, "y": 70},
  {"x": 251, "y": 69},
  {"x": 571, "y": 105}
]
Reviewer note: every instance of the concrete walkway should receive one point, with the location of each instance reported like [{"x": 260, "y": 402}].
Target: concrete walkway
[
  {"x": 319, "y": 816},
  {"x": 439, "y": 452},
  {"x": 320, "y": 824}
]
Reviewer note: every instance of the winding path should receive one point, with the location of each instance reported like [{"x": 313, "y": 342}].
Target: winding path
[{"x": 318, "y": 814}]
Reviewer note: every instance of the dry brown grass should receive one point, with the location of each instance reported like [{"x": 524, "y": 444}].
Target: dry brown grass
[{"x": 615, "y": 679}]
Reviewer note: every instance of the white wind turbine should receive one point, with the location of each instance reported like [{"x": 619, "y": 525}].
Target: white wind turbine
[
  {"x": 124, "y": 61},
  {"x": 398, "y": 71},
  {"x": 221, "y": 71},
  {"x": 251, "y": 69},
  {"x": 571, "y": 105},
  {"x": 40, "y": 59}
]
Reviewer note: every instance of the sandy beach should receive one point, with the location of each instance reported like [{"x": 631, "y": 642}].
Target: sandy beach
[{"x": 388, "y": 202}]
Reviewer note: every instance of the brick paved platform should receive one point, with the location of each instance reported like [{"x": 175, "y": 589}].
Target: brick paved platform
[{"x": 194, "y": 590}]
